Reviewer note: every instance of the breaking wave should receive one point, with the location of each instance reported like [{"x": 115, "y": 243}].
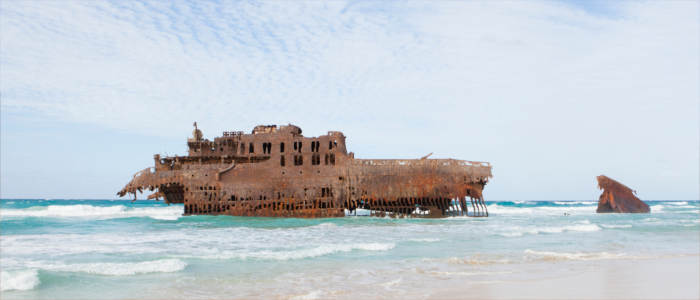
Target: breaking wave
[
  {"x": 96, "y": 212},
  {"x": 574, "y": 202},
  {"x": 301, "y": 253},
  {"x": 21, "y": 280},
  {"x": 424, "y": 240},
  {"x": 116, "y": 269},
  {"x": 541, "y": 210},
  {"x": 616, "y": 226},
  {"x": 581, "y": 227}
]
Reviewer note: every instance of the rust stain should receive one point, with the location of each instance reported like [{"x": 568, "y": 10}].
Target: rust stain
[{"x": 277, "y": 172}]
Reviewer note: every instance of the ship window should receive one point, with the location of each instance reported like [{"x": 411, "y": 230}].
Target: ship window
[
  {"x": 300, "y": 144},
  {"x": 298, "y": 160},
  {"x": 326, "y": 158},
  {"x": 313, "y": 146},
  {"x": 332, "y": 159},
  {"x": 316, "y": 159},
  {"x": 318, "y": 145},
  {"x": 281, "y": 147},
  {"x": 250, "y": 148},
  {"x": 282, "y": 161},
  {"x": 295, "y": 146},
  {"x": 330, "y": 145}
]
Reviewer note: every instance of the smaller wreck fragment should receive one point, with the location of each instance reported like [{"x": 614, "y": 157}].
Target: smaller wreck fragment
[{"x": 618, "y": 198}]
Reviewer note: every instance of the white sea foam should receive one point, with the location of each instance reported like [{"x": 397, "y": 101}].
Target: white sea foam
[
  {"x": 300, "y": 253},
  {"x": 19, "y": 280},
  {"x": 574, "y": 202},
  {"x": 583, "y": 226},
  {"x": 324, "y": 226},
  {"x": 496, "y": 209},
  {"x": 95, "y": 212},
  {"x": 616, "y": 225},
  {"x": 116, "y": 269},
  {"x": 478, "y": 260},
  {"x": 426, "y": 240},
  {"x": 555, "y": 256},
  {"x": 656, "y": 208},
  {"x": 676, "y": 203}
]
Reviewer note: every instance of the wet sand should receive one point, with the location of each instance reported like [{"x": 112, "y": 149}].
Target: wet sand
[{"x": 659, "y": 278}]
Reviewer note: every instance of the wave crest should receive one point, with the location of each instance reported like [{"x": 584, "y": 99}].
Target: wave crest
[
  {"x": 301, "y": 253},
  {"x": 97, "y": 212},
  {"x": 120, "y": 269},
  {"x": 582, "y": 227},
  {"x": 21, "y": 280}
]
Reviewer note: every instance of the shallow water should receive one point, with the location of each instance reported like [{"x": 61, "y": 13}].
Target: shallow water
[{"x": 61, "y": 249}]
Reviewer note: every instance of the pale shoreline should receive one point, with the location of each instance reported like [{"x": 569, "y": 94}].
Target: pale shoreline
[{"x": 657, "y": 278}]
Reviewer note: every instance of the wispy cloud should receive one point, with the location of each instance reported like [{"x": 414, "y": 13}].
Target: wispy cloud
[{"x": 539, "y": 88}]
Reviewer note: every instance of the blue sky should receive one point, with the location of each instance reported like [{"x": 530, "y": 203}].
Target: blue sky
[{"x": 552, "y": 93}]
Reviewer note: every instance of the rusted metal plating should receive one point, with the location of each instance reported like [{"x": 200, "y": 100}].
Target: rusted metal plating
[{"x": 277, "y": 172}]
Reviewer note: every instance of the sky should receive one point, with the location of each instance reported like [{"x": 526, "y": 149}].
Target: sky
[{"x": 551, "y": 93}]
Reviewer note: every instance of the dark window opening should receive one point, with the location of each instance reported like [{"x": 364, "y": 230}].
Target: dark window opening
[
  {"x": 326, "y": 158},
  {"x": 298, "y": 160},
  {"x": 330, "y": 145},
  {"x": 282, "y": 161},
  {"x": 250, "y": 148},
  {"x": 300, "y": 145},
  {"x": 332, "y": 159},
  {"x": 281, "y": 147}
]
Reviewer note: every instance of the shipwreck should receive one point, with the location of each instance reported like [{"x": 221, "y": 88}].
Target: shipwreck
[
  {"x": 277, "y": 172},
  {"x": 618, "y": 198}
]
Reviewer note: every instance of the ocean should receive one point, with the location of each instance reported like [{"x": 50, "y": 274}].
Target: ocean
[{"x": 100, "y": 249}]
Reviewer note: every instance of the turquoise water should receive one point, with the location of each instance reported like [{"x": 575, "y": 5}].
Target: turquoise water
[{"x": 72, "y": 249}]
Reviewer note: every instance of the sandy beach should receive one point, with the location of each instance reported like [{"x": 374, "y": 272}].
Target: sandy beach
[{"x": 654, "y": 278}]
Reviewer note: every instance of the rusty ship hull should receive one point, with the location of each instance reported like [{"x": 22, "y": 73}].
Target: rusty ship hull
[{"x": 277, "y": 172}]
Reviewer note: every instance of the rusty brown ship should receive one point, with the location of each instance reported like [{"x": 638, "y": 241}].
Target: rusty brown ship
[{"x": 277, "y": 172}]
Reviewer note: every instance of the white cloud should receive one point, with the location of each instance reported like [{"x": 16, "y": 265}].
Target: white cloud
[{"x": 550, "y": 94}]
